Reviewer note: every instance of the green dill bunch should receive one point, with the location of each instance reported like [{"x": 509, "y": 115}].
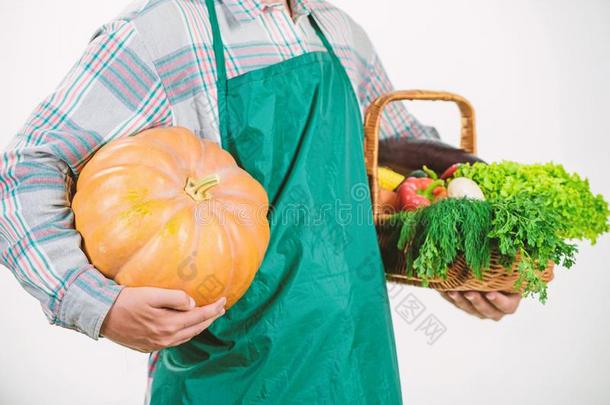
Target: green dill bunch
[
  {"x": 518, "y": 227},
  {"x": 435, "y": 235},
  {"x": 581, "y": 214}
]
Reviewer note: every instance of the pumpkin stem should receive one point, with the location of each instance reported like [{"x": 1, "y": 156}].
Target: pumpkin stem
[{"x": 198, "y": 189}]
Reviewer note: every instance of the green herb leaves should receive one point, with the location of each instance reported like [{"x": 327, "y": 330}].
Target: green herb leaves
[
  {"x": 530, "y": 212},
  {"x": 435, "y": 235},
  {"x": 524, "y": 227},
  {"x": 581, "y": 215}
]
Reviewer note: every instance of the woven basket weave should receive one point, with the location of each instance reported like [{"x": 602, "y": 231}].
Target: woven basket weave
[{"x": 459, "y": 277}]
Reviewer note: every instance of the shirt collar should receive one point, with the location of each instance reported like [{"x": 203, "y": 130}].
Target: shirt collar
[{"x": 248, "y": 10}]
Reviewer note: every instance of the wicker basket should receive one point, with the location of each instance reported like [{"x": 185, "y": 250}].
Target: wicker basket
[{"x": 459, "y": 278}]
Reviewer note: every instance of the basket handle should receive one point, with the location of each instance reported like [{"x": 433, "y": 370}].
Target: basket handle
[{"x": 372, "y": 123}]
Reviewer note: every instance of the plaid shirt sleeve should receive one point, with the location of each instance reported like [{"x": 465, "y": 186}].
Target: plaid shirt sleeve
[
  {"x": 396, "y": 121},
  {"x": 112, "y": 91}
]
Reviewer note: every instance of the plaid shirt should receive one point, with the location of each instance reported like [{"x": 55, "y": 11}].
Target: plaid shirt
[{"x": 152, "y": 66}]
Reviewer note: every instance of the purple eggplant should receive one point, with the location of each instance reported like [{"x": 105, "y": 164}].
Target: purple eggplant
[{"x": 404, "y": 155}]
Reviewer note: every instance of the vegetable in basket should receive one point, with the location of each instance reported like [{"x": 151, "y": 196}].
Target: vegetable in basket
[
  {"x": 582, "y": 215},
  {"x": 416, "y": 192},
  {"x": 404, "y": 156},
  {"x": 464, "y": 187},
  {"x": 527, "y": 219}
]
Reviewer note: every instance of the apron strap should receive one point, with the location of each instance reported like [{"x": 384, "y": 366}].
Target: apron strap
[
  {"x": 324, "y": 40},
  {"x": 221, "y": 70}
]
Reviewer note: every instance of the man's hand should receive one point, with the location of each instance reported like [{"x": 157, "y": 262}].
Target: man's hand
[
  {"x": 149, "y": 319},
  {"x": 492, "y": 305}
]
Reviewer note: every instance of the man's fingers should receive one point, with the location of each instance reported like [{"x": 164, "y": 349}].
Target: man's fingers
[
  {"x": 170, "y": 299},
  {"x": 457, "y": 299},
  {"x": 505, "y": 303},
  {"x": 201, "y": 314},
  {"x": 187, "y": 334},
  {"x": 483, "y": 306},
  {"x": 174, "y": 328}
]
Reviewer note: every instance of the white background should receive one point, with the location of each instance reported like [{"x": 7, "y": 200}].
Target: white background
[{"x": 537, "y": 73}]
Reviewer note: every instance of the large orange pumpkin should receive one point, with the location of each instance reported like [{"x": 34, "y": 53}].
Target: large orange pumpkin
[{"x": 167, "y": 209}]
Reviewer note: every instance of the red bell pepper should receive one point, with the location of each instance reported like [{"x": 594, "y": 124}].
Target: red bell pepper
[{"x": 415, "y": 192}]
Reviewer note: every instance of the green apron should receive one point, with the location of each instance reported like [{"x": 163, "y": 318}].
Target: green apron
[{"x": 315, "y": 325}]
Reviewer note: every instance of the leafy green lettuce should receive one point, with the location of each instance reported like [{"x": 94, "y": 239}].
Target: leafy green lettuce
[{"x": 580, "y": 213}]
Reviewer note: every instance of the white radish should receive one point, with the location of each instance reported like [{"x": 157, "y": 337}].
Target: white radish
[{"x": 462, "y": 187}]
